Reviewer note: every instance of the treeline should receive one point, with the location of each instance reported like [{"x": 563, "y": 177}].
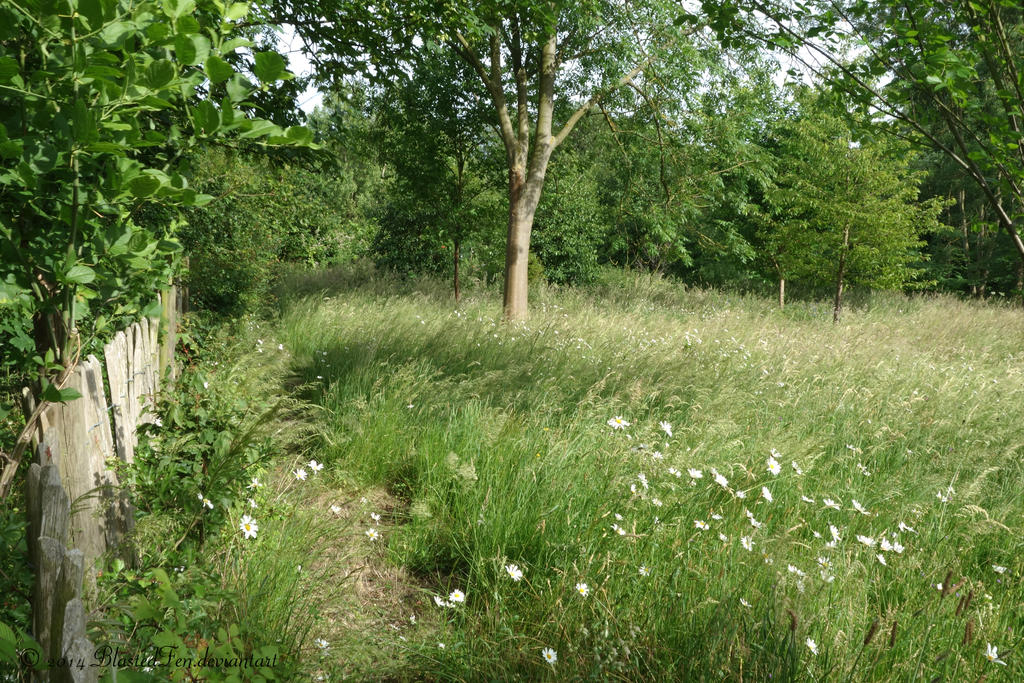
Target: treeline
[{"x": 745, "y": 183}]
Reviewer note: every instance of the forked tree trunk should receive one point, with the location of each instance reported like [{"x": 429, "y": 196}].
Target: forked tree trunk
[{"x": 526, "y": 167}]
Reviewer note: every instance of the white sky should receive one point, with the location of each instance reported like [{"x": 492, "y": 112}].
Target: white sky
[{"x": 291, "y": 47}]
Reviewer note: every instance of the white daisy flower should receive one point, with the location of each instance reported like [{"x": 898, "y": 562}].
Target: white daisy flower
[
  {"x": 457, "y": 596},
  {"x": 859, "y": 508},
  {"x": 335, "y": 509},
  {"x": 300, "y": 474},
  {"x": 248, "y": 527},
  {"x": 205, "y": 502},
  {"x": 829, "y": 503},
  {"x": 812, "y": 646},
  {"x": 315, "y": 466},
  {"x": 806, "y": 499},
  {"x": 617, "y": 423},
  {"x": 644, "y": 571},
  {"x": 992, "y": 654},
  {"x": 866, "y": 540},
  {"x": 550, "y": 656},
  {"x": 747, "y": 543},
  {"x": 322, "y": 644},
  {"x": 583, "y": 589},
  {"x": 372, "y": 534},
  {"x": 998, "y": 569},
  {"x": 514, "y": 572},
  {"x": 744, "y": 602},
  {"x": 666, "y": 427},
  {"x": 695, "y": 474},
  {"x": 773, "y": 466},
  {"x": 766, "y": 494},
  {"x": 904, "y": 527},
  {"x": 796, "y": 468},
  {"x": 701, "y": 524},
  {"x": 881, "y": 559}
]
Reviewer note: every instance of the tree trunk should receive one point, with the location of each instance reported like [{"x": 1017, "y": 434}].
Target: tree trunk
[
  {"x": 458, "y": 293},
  {"x": 965, "y": 229},
  {"x": 517, "y": 251},
  {"x": 838, "y": 306},
  {"x": 982, "y": 261},
  {"x": 782, "y": 292},
  {"x": 1020, "y": 281}
]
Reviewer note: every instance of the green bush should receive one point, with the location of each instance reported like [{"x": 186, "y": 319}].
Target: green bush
[
  {"x": 194, "y": 463},
  {"x": 268, "y": 212},
  {"x": 567, "y": 227}
]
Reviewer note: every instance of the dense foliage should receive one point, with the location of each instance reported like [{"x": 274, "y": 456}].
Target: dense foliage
[{"x": 101, "y": 101}]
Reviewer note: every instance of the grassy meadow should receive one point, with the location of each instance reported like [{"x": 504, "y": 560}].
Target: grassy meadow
[{"x": 645, "y": 482}]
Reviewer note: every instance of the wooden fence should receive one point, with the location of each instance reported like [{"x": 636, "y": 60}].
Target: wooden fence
[{"x": 77, "y": 512}]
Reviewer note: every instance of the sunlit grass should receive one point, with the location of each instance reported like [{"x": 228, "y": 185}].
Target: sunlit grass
[{"x": 493, "y": 439}]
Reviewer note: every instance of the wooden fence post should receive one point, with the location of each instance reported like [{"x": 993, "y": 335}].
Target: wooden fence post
[{"x": 73, "y": 499}]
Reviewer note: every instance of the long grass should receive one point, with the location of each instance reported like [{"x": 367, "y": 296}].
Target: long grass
[{"x": 494, "y": 441}]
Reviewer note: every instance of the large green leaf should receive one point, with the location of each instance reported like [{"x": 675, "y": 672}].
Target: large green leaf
[
  {"x": 160, "y": 73},
  {"x": 238, "y": 88},
  {"x": 177, "y": 8},
  {"x": 207, "y": 117},
  {"x": 8, "y": 69},
  {"x": 80, "y": 275},
  {"x": 268, "y": 67},
  {"x": 143, "y": 185},
  {"x": 191, "y": 49},
  {"x": 237, "y": 10},
  {"x": 217, "y": 70}
]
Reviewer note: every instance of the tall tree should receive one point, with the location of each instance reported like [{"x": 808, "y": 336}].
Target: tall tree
[{"x": 541, "y": 65}]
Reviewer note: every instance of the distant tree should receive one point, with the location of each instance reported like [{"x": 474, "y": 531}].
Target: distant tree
[
  {"x": 948, "y": 75},
  {"x": 434, "y": 139},
  {"x": 842, "y": 212}
]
